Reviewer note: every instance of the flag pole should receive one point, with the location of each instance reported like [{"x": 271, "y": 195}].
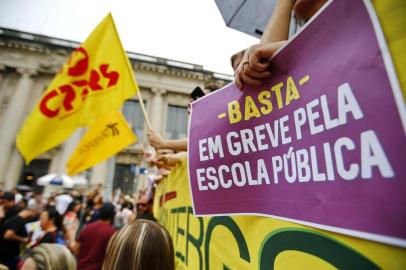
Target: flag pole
[
  {"x": 132, "y": 76},
  {"x": 143, "y": 109}
]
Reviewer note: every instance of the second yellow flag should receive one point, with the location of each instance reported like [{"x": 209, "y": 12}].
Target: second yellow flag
[{"x": 107, "y": 136}]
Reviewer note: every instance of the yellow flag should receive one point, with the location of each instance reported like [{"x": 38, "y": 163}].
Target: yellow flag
[
  {"x": 107, "y": 136},
  {"x": 96, "y": 79},
  {"x": 392, "y": 17}
]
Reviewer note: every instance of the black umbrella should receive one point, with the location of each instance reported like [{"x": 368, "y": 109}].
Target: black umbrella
[{"x": 248, "y": 16}]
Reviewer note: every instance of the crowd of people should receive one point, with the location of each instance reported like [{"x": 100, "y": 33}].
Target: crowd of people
[{"x": 71, "y": 231}]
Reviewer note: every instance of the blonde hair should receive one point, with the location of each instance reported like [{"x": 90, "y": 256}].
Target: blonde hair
[
  {"x": 142, "y": 244},
  {"x": 52, "y": 256}
]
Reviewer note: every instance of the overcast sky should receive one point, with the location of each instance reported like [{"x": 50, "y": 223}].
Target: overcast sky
[{"x": 185, "y": 30}]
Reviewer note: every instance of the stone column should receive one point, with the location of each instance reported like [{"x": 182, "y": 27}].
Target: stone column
[
  {"x": 108, "y": 184},
  {"x": 15, "y": 164},
  {"x": 13, "y": 118},
  {"x": 67, "y": 149},
  {"x": 2, "y": 67},
  {"x": 61, "y": 158},
  {"x": 13, "y": 172},
  {"x": 99, "y": 174},
  {"x": 156, "y": 108},
  {"x": 55, "y": 161}
]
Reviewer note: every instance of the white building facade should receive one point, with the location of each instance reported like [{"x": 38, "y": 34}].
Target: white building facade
[{"x": 28, "y": 63}]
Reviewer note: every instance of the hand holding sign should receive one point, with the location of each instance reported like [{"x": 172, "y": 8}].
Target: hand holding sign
[
  {"x": 254, "y": 67},
  {"x": 320, "y": 141}
]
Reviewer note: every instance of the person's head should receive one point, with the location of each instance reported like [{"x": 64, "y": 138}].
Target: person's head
[
  {"x": 305, "y": 9},
  {"x": 49, "y": 256},
  {"x": 97, "y": 199},
  {"x": 144, "y": 205},
  {"x": 107, "y": 212},
  {"x": 74, "y": 206},
  {"x": 142, "y": 244},
  {"x": 51, "y": 201},
  {"x": 8, "y": 200},
  {"x": 211, "y": 87},
  {"x": 197, "y": 93},
  {"x": 50, "y": 218},
  {"x": 236, "y": 59},
  {"x": 20, "y": 201},
  {"x": 128, "y": 205}
]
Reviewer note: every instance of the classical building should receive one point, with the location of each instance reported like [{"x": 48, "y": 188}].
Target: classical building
[{"x": 28, "y": 62}]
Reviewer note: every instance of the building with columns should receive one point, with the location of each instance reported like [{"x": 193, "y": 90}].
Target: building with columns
[{"x": 28, "y": 63}]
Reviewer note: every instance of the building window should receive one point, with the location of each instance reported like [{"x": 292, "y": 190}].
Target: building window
[
  {"x": 124, "y": 178},
  {"x": 133, "y": 113},
  {"x": 176, "y": 122},
  {"x": 30, "y": 173}
]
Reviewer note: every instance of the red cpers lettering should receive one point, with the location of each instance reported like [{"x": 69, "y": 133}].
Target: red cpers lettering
[{"x": 68, "y": 98}]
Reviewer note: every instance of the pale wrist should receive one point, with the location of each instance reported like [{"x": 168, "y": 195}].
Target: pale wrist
[
  {"x": 286, "y": 2},
  {"x": 165, "y": 144}
]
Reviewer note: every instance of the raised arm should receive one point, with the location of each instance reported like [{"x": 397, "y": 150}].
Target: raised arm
[
  {"x": 277, "y": 28},
  {"x": 157, "y": 141},
  {"x": 275, "y": 35}
]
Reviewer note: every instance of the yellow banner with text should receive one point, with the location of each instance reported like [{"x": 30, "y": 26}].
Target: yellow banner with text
[{"x": 252, "y": 242}]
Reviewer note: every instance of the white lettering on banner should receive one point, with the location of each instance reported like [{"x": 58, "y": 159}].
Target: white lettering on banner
[
  {"x": 371, "y": 151},
  {"x": 289, "y": 163},
  {"x": 251, "y": 182},
  {"x": 222, "y": 169},
  {"x": 237, "y": 174},
  {"x": 326, "y": 161},
  {"x": 329, "y": 161},
  {"x": 347, "y": 104},
  {"x": 233, "y": 148},
  {"x": 262, "y": 173},
  {"x": 202, "y": 150},
  {"x": 300, "y": 120},
  {"x": 247, "y": 138},
  {"x": 277, "y": 167},
  {"x": 213, "y": 184},
  {"x": 328, "y": 122},
  {"x": 353, "y": 170},
  {"x": 260, "y": 137},
  {"x": 278, "y": 132},
  {"x": 372, "y": 154},
  {"x": 317, "y": 176},
  {"x": 304, "y": 165},
  {"x": 213, "y": 146},
  {"x": 200, "y": 179},
  {"x": 312, "y": 116},
  {"x": 284, "y": 129},
  {"x": 273, "y": 133}
]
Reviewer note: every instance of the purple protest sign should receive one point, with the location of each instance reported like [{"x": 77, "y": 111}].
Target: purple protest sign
[{"x": 321, "y": 143}]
